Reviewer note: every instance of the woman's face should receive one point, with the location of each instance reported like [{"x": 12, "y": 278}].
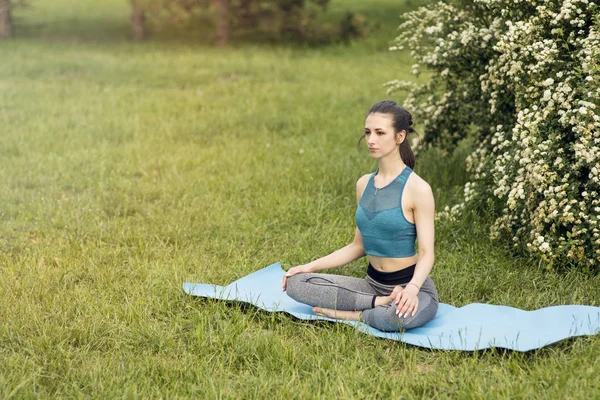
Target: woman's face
[{"x": 380, "y": 137}]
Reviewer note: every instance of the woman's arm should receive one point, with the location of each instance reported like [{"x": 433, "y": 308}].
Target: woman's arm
[
  {"x": 343, "y": 256},
  {"x": 424, "y": 214},
  {"x": 349, "y": 253}
]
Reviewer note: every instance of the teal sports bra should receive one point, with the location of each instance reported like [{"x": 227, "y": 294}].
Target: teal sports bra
[{"x": 385, "y": 230}]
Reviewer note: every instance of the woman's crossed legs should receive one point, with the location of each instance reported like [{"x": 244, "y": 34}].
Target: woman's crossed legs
[{"x": 346, "y": 297}]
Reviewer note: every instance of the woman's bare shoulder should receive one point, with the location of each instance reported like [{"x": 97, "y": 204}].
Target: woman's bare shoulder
[
  {"x": 363, "y": 180},
  {"x": 361, "y": 184},
  {"x": 417, "y": 185}
]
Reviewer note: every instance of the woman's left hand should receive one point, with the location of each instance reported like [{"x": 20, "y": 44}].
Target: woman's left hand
[{"x": 407, "y": 301}]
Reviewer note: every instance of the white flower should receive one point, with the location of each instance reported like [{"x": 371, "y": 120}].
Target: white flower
[
  {"x": 547, "y": 95},
  {"x": 548, "y": 82},
  {"x": 540, "y": 239}
]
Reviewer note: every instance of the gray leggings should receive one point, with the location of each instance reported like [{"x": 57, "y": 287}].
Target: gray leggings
[{"x": 358, "y": 294}]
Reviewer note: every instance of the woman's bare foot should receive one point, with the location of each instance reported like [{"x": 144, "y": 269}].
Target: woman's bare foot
[
  {"x": 355, "y": 315},
  {"x": 385, "y": 300},
  {"x": 337, "y": 314}
]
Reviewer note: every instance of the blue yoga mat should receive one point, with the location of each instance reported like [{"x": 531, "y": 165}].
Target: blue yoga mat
[{"x": 472, "y": 327}]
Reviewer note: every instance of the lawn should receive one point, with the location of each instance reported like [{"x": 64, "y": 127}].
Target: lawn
[{"x": 127, "y": 169}]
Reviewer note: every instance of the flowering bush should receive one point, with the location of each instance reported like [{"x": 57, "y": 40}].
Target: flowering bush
[{"x": 522, "y": 77}]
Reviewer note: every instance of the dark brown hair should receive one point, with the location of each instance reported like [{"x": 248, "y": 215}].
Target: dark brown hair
[{"x": 401, "y": 121}]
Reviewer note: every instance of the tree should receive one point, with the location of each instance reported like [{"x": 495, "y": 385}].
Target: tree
[
  {"x": 223, "y": 19},
  {"x": 138, "y": 20},
  {"x": 6, "y": 29}
]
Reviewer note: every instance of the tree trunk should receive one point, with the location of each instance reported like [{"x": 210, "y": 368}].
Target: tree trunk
[
  {"x": 223, "y": 19},
  {"x": 6, "y": 29},
  {"x": 138, "y": 19}
]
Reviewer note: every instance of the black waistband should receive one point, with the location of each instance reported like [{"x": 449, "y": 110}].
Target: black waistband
[{"x": 392, "y": 278}]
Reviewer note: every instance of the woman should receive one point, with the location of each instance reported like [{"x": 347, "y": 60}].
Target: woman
[{"x": 395, "y": 207}]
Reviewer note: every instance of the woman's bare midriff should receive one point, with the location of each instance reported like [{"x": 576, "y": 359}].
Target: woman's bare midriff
[{"x": 387, "y": 264}]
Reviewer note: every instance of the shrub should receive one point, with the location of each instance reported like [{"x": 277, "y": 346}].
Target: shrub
[
  {"x": 522, "y": 78},
  {"x": 276, "y": 20}
]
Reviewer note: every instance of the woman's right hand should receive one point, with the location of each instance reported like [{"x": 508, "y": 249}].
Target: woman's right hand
[{"x": 300, "y": 269}]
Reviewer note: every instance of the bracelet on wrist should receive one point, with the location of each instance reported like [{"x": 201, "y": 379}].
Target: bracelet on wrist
[{"x": 410, "y": 283}]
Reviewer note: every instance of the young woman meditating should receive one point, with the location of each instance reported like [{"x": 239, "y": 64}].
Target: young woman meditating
[{"x": 395, "y": 207}]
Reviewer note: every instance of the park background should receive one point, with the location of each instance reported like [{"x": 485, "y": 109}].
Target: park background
[{"x": 129, "y": 168}]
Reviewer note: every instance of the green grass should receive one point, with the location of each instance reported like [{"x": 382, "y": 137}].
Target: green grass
[{"x": 128, "y": 169}]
